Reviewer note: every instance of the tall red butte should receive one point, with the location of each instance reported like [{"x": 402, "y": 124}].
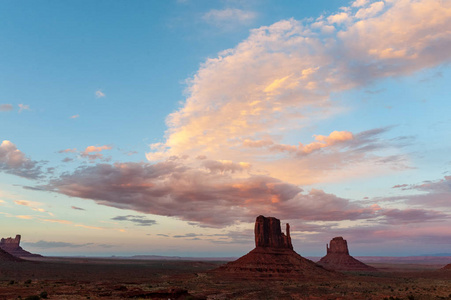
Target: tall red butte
[
  {"x": 338, "y": 258},
  {"x": 273, "y": 255}
]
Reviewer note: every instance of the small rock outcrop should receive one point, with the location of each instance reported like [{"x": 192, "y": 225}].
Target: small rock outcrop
[
  {"x": 273, "y": 256},
  {"x": 338, "y": 258},
  {"x": 12, "y": 246},
  {"x": 447, "y": 267}
]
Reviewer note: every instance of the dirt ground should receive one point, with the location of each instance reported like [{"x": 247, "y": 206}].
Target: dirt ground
[{"x": 90, "y": 278}]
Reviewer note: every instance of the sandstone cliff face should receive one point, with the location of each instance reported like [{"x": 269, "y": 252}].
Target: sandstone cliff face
[
  {"x": 12, "y": 246},
  {"x": 268, "y": 233},
  {"x": 338, "y": 245},
  {"x": 273, "y": 256},
  {"x": 338, "y": 258}
]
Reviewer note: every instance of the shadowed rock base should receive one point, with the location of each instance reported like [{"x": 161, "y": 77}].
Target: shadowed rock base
[
  {"x": 5, "y": 256},
  {"x": 338, "y": 258},
  {"x": 270, "y": 262}
]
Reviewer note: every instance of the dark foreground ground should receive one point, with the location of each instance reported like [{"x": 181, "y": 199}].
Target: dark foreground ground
[{"x": 91, "y": 278}]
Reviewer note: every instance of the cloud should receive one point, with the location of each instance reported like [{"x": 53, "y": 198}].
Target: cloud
[
  {"x": 77, "y": 208},
  {"x": 99, "y": 94},
  {"x": 359, "y": 3},
  {"x": 432, "y": 193},
  {"x": 68, "y": 151},
  {"x": 6, "y": 107},
  {"x": 75, "y": 116},
  {"x": 94, "y": 149},
  {"x": 229, "y": 17},
  {"x": 23, "y": 107},
  {"x": 67, "y": 159},
  {"x": 13, "y": 161},
  {"x": 282, "y": 78},
  {"x": 370, "y": 11},
  {"x": 49, "y": 245},
  {"x": 136, "y": 220},
  {"x": 91, "y": 149},
  {"x": 228, "y": 153},
  {"x": 196, "y": 194}
]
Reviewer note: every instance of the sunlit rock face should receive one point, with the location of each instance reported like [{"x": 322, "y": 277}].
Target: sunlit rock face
[
  {"x": 273, "y": 256},
  {"x": 12, "y": 246},
  {"x": 268, "y": 233},
  {"x": 338, "y": 258}
]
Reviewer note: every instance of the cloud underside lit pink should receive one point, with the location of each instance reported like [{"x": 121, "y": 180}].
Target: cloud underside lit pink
[{"x": 217, "y": 198}]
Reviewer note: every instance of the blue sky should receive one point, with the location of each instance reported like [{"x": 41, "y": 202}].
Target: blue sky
[{"x": 170, "y": 125}]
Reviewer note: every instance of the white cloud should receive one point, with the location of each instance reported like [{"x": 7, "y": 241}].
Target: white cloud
[
  {"x": 229, "y": 16},
  {"x": 99, "y": 94},
  {"x": 359, "y": 3},
  {"x": 370, "y": 11}
]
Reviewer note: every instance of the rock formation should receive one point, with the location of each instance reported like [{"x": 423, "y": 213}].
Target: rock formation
[
  {"x": 12, "y": 246},
  {"x": 268, "y": 233},
  {"x": 447, "y": 267},
  {"x": 5, "y": 256},
  {"x": 338, "y": 258},
  {"x": 273, "y": 256}
]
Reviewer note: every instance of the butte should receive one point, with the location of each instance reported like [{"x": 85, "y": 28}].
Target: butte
[
  {"x": 273, "y": 256},
  {"x": 338, "y": 258},
  {"x": 12, "y": 246}
]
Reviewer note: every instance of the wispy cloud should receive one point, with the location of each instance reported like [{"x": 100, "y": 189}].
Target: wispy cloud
[
  {"x": 75, "y": 116},
  {"x": 229, "y": 17},
  {"x": 6, "y": 107},
  {"x": 99, "y": 94},
  {"x": 23, "y": 107},
  {"x": 136, "y": 220},
  {"x": 77, "y": 208}
]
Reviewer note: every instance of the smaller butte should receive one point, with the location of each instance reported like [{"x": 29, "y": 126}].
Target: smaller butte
[
  {"x": 338, "y": 258},
  {"x": 12, "y": 246}
]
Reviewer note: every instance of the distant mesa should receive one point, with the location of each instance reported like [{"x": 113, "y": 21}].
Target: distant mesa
[
  {"x": 273, "y": 255},
  {"x": 12, "y": 246},
  {"x": 338, "y": 258}
]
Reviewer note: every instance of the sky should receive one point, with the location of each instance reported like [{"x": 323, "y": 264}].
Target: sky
[{"x": 167, "y": 127}]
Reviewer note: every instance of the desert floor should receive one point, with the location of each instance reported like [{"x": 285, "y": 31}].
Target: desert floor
[{"x": 95, "y": 278}]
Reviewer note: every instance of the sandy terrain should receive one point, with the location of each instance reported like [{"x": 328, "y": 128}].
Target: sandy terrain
[{"x": 90, "y": 278}]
